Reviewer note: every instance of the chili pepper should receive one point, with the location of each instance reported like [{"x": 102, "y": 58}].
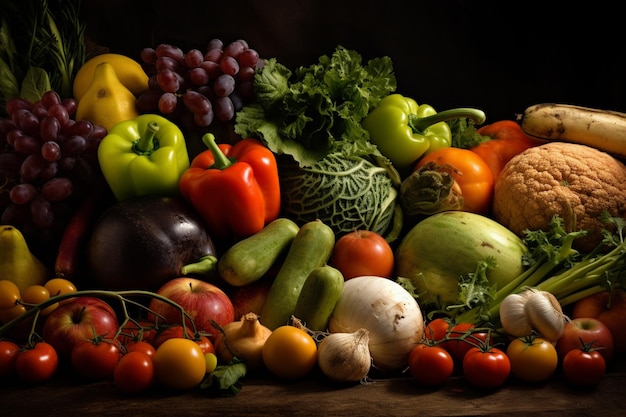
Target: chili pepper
[
  {"x": 143, "y": 156},
  {"x": 507, "y": 140},
  {"x": 234, "y": 188},
  {"x": 404, "y": 131}
]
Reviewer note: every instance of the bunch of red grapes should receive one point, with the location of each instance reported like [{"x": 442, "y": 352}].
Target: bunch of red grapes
[
  {"x": 195, "y": 88},
  {"x": 48, "y": 162}
]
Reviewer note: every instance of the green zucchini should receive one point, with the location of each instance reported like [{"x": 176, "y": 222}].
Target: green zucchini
[
  {"x": 249, "y": 259},
  {"x": 310, "y": 249},
  {"x": 318, "y": 297}
]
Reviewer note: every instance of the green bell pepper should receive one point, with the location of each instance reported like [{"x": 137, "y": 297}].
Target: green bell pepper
[
  {"x": 143, "y": 156},
  {"x": 404, "y": 131}
]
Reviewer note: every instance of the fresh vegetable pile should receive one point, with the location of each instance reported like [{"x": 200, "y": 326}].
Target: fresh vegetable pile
[{"x": 208, "y": 214}]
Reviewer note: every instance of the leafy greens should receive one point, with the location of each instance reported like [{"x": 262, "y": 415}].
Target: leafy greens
[
  {"x": 41, "y": 47},
  {"x": 317, "y": 110}
]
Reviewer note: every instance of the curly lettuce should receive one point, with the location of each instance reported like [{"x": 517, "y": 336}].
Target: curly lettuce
[{"x": 310, "y": 112}]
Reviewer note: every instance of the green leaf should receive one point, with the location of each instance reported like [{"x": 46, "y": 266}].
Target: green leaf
[
  {"x": 310, "y": 112},
  {"x": 9, "y": 86},
  {"x": 225, "y": 380},
  {"x": 36, "y": 83}
]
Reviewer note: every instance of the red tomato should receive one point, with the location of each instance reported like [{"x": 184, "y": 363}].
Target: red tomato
[
  {"x": 474, "y": 176},
  {"x": 8, "y": 356},
  {"x": 205, "y": 343},
  {"x": 362, "y": 252},
  {"x": 461, "y": 338},
  {"x": 430, "y": 365},
  {"x": 169, "y": 332},
  {"x": 436, "y": 329},
  {"x": 95, "y": 359},
  {"x": 507, "y": 140},
  {"x": 583, "y": 368},
  {"x": 143, "y": 330},
  {"x": 486, "y": 369},
  {"x": 141, "y": 346},
  {"x": 134, "y": 372},
  {"x": 37, "y": 364}
]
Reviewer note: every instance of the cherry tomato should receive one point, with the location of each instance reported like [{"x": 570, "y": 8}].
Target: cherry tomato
[
  {"x": 140, "y": 346},
  {"x": 583, "y": 368},
  {"x": 507, "y": 140},
  {"x": 8, "y": 314},
  {"x": 36, "y": 294},
  {"x": 532, "y": 359},
  {"x": 474, "y": 176},
  {"x": 9, "y": 294},
  {"x": 58, "y": 286},
  {"x": 289, "y": 352},
  {"x": 205, "y": 343},
  {"x": 134, "y": 372},
  {"x": 8, "y": 356},
  {"x": 142, "y": 330},
  {"x": 170, "y": 332},
  {"x": 362, "y": 252},
  {"x": 486, "y": 368},
  {"x": 95, "y": 359},
  {"x": 461, "y": 338},
  {"x": 210, "y": 360},
  {"x": 430, "y": 365},
  {"x": 37, "y": 364},
  {"x": 179, "y": 364},
  {"x": 436, "y": 329}
]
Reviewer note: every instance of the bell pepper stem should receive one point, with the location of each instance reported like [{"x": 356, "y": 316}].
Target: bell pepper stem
[
  {"x": 204, "y": 266},
  {"x": 145, "y": 144},
  {"x": 419, "y": 124},
  {"x": 221, "y": 161}
]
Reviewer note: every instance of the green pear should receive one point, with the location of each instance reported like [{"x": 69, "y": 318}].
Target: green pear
[{"x": 17, "y": 263}]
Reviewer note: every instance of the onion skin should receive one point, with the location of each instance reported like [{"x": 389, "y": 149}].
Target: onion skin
[
  {"x": 390, "y": 314},
  {"x": 244, "y": 339}
]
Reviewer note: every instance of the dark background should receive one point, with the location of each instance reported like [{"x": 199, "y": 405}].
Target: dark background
[{"x": 499, "y": 56}]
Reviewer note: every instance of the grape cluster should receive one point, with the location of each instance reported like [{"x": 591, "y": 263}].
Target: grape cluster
[
  {"x": 48, "y": 161},
  {"x": 195, "y": 88}
]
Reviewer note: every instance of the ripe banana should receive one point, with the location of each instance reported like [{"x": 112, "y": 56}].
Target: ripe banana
[{"x": 602, "y": 129}]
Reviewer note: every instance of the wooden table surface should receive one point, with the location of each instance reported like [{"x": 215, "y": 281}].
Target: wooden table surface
[{"x": 396, "y": 395}]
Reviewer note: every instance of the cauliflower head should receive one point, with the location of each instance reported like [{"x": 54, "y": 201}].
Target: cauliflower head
[{"x": 576, "y": 182}]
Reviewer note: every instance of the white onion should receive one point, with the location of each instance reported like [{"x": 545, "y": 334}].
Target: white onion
[{"x": 390, "y": 314}]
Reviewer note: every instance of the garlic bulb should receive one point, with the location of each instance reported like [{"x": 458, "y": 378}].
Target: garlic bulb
[
  {"x": 345, "y": 357},
  {"x": 545, "y": 314},
  {"x": 513, "y": 316}
]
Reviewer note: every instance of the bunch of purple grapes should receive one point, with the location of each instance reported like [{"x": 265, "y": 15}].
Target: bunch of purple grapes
[
  {"x": 48, "y": 161},
  {"x": 196, "y": 88}
]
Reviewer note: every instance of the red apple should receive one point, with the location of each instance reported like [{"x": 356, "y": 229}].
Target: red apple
[
  {"x": 76, "y": 320},
  {"x": 249, "y": 298},
  {"x": 587, "y": 330},
  {"x": 362, "y": 252},
  {"x": 203, "y": 301},
  {"x": 610, "y": 309}
]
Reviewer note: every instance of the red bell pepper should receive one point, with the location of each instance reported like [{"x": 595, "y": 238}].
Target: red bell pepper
[
  {"x": 507, "y": 140},
  {"x": 234, "y": 188}
]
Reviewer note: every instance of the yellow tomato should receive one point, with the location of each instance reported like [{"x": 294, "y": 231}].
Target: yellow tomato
[
  {"x": 9, "y": 294},
  {"x": 36, "y": 294},
  {"x": 58, "y": 286},
  {"x": 289, "y": 352},
  {"x": 179, "y": 363},
  {"x": 532, "y": 359}
]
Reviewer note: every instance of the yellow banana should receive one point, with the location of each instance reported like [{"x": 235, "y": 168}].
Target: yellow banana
[{"x": 602, "y": 129}]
